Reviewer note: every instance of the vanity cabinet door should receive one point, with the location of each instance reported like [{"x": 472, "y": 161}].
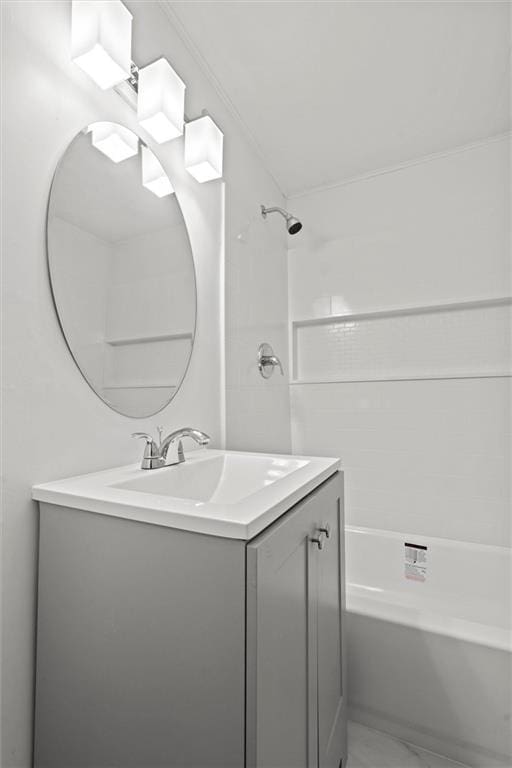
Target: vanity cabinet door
[
  {"x": 281, "y": 728},
  {"x": 330, "y": 605},
  {"x": 283, "y": 571}
]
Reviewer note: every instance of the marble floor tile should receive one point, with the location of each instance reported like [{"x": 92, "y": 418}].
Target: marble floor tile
[{"x": 373, "y": 749}]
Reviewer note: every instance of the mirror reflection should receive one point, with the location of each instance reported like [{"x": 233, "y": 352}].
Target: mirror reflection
[{"x": 121, "y": 269}]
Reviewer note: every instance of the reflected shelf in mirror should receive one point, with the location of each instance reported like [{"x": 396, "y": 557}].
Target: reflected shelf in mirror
[
  {"x": 122, "y": 340},
  {"x": 145, "y": 385}
]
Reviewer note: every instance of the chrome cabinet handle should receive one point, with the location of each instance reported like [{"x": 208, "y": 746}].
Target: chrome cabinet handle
[{"x": 327, "y": 530}]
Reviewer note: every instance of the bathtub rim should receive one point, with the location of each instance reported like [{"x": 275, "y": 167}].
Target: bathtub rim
[{"x": 489, "y": 635}]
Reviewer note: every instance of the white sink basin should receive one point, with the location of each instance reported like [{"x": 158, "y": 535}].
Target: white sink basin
[
  {"x": 221, "y": 493},
  {"x": 223, "y": 479}
]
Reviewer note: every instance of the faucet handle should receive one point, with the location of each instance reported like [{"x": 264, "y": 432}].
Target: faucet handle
[
  {"x": 144, "y": 435},
  {"x": 151, "y": 458},
  {"x": 160, "y": 431},
  {"x": 151, "y": 448}
]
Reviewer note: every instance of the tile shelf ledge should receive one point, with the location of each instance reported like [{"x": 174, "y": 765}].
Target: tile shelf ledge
[
  {"x": 419, "y": 377},
  {"x": 396, "y": 311}
]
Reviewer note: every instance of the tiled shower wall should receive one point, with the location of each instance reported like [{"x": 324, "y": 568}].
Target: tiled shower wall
[
  {"x": 257, "y": 409},
  {"x": 409, "y": 381}
]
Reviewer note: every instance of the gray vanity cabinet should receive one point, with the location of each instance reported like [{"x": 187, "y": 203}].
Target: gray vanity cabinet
[
  {"x": 296, "y": 712},
  {"x": 161, "y": 647}
]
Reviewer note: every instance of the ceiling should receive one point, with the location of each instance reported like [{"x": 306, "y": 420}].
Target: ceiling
[{"x": 332, "y": 90}]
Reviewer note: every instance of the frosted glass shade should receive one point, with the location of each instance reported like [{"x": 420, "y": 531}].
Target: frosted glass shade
[
  {"x": 203, "y": 149},
  {"x": 154, "y": 177},
  {"x": 101, "y": 40},
  {"x": 161, "y": 101},
  {"x": 114, "y": 141}
]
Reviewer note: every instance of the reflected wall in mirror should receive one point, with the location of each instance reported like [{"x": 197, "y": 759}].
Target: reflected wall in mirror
[{"x": 121, "y": 270}]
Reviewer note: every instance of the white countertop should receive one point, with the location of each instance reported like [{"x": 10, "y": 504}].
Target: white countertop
[{"x": 220, "y": 493}]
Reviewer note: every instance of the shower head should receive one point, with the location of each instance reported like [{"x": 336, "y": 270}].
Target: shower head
[{"x": 293, "y": 225}]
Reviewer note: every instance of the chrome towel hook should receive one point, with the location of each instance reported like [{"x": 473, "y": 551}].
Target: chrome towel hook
[{"x": 267, "y": 361}]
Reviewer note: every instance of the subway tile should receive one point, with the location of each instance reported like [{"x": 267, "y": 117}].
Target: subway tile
[{"x": 429, "y": 457}]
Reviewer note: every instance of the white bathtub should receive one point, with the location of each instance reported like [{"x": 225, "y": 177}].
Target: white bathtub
[{"x": 430, "y": 654}]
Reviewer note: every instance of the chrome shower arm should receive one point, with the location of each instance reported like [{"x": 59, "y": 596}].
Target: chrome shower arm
[
  {"x": 293, "y": 225},
  {"x": 275, "y": 209}
]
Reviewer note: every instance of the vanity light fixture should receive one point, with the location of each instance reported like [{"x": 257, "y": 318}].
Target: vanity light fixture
[
  {"x": 101, "y": 40},
  {"x": 154, "y": 177},
  {"x": 203, "y": 149},
  {"x": 161, "y": 101},
  {"x": 114, "y": 141}
]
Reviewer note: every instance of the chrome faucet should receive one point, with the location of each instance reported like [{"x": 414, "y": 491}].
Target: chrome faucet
[{"x": 168, "y": 451}]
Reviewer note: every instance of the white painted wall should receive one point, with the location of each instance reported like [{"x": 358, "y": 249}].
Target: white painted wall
[
  {"x": 53, "y": 424},
  {"x": 429, "y": 456}
]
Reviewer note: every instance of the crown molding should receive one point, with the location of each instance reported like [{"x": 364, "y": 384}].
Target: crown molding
[
  {"x": 173, "y": 17},
  {"x": 402, "y": 166}
]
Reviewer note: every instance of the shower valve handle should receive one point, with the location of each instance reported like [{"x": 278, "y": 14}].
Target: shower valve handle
[{"x": 267, "y": 361}]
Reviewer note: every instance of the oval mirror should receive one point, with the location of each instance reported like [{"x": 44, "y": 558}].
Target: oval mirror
[{"x": 121, "y": 270}]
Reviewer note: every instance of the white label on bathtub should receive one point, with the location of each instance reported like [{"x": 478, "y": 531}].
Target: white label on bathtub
[{"x": 415, "y": 562}]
